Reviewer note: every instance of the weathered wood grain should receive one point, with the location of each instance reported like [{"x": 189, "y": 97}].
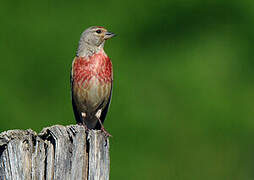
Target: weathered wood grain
[{"x": 57, "y": 152}]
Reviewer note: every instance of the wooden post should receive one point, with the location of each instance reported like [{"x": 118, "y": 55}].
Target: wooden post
[{"x": 57, "y": 152}]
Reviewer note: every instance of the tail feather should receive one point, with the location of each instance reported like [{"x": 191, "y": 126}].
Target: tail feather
[{"x": 91, "y": 121}]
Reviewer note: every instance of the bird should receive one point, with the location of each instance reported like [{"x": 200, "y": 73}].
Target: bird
[{"x": 92, "y": 79}]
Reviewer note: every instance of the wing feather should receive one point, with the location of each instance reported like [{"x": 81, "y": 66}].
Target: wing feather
[{"x": 77, "y": 114}]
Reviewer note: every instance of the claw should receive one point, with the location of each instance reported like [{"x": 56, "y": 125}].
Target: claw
[
  {"x": 105, "y": 132},
  {"x": 103, "y": 129},
  {"x": 86, "y": 128}
]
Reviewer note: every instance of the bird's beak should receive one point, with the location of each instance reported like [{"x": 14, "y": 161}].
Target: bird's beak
[{"x": 109, "y": 35}]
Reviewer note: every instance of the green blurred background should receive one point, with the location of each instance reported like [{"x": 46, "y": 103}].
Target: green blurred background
[{"x": 183, "y": 100}]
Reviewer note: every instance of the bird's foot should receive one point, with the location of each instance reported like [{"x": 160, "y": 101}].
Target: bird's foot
[
  {"x": 105, "y": 132},
  {"x": 86, "y": 128},
  {"x": 102, "y": 127}
]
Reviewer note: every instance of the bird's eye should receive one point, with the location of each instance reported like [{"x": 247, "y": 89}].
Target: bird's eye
[{"x": 98, "y": 31}]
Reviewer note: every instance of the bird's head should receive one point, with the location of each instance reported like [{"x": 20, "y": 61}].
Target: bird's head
[
  {"x": 93, "y": 39},
  {"x": 96, "y": 35}
]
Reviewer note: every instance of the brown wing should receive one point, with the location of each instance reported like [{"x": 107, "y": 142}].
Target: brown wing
[{"x": 77, "y": 114}]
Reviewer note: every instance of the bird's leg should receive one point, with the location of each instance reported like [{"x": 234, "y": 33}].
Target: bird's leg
[
  {"x": 104, "y": 130},
  {"x": 82, "y": 123},
  {"x": 83, "y": 114},
  {"x": 98, "y": 115}
]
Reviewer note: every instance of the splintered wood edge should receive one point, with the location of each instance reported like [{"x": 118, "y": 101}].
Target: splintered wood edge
[
  {"x": 99, "y": 147},
  {"x": 58, "y": 152}
]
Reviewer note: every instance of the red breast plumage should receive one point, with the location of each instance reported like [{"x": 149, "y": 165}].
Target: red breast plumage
[
  {"x": 92, "y": 78},
  {"x": 98, "y": 65}
]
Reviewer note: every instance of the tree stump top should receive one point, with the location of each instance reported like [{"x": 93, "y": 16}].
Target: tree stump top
[{"x": 57, "y": 152}]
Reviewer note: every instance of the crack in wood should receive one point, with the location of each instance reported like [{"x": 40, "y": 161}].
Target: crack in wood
[{"x": 57, "y": 152}]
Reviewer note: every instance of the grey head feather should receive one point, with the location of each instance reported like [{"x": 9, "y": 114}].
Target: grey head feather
[{"x": 90, "y": 42}]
